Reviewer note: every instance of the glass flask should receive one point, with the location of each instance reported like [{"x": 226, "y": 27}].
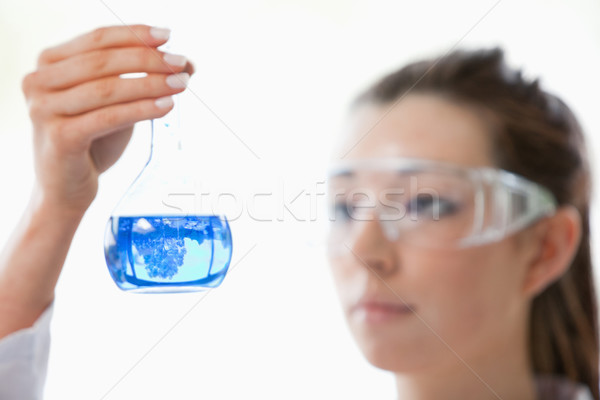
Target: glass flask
[{"x": 152, "y": 243}]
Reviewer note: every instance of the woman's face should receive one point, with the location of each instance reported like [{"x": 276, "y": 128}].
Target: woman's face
[{"x": 453, "y": 301}]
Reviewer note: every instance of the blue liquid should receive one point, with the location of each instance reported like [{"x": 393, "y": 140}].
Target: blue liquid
[{"x": 167, "y": 253}]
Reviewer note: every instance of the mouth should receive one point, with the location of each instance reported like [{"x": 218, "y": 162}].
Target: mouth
[{"x": 378, "y": 312}]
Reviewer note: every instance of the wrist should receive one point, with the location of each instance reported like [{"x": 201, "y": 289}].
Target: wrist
[{"x": 46, "y": 206}]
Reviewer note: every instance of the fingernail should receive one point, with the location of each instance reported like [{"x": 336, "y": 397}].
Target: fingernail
[
  {"x": 178, "y": 61},
  {"x": 164, "y": 102},
  {"x": 160, "y": 33},
  {"x": 178, "y": 81}
]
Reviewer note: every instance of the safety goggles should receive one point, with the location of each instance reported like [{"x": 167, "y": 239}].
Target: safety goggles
[{"x": 432, "y": 204}]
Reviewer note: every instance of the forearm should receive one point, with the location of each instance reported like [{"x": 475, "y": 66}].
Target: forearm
[{"x": 31, "y": 262}]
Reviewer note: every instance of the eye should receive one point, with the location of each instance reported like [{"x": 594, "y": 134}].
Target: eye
[
  {"x": 342, "y": 212},
  {"x": 425, "y": 205}
]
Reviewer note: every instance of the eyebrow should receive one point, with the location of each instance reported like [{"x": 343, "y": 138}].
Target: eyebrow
[
  {"x": 343, "y": 174},
  {"x": 347, "y": 173}
]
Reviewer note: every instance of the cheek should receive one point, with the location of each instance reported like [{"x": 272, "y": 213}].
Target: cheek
[
  {"x": 345, "y": 277},
  {"x": 469, "y": 296}
]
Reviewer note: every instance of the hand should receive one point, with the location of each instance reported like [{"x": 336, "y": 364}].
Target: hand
[{"x": 83, "y": 112}]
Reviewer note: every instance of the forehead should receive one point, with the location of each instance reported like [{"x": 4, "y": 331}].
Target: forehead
[
  {"x": 418, "y": 126},
  {"x": 398, "y": 172}
]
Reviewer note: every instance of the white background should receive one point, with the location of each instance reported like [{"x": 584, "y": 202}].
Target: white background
[{"x": 279, "y": 74}]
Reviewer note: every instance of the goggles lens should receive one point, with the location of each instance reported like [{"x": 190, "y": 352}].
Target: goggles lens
[{"x": 431, "y": 204}]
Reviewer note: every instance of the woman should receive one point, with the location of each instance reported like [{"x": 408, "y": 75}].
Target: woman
[
  {"x": 465, "y": 281},
  {"x": 472, "y": 283}
]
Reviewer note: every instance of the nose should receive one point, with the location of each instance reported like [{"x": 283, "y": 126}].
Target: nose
[{"x": 371, "y": 248}]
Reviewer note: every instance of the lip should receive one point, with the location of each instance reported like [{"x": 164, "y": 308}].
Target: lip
[{"x": 375, "y": 311}]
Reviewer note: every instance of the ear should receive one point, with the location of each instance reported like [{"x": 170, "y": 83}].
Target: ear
[{"x": 557, "y": 244}]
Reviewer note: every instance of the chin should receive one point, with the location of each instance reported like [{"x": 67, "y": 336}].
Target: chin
[
  {"x": 393, "y": 354},
  {"x": 393, "y": 360}
]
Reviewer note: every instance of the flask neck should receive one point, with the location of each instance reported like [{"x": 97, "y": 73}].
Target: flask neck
[
  {"x": 166, "y": 141},
  {"x": 167, "y": 138}
]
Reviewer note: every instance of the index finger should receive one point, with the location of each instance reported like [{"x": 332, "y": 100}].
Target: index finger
[{"x": 106, "y": 37}]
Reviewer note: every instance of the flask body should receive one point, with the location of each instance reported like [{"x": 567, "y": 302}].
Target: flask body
[{"x": 168, "y": 253}]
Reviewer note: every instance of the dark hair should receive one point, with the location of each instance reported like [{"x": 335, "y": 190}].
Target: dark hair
[{"x": 537, "y": 136}]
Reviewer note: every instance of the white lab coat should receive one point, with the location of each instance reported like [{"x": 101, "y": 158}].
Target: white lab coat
[{"x": 24, "y": 360}]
